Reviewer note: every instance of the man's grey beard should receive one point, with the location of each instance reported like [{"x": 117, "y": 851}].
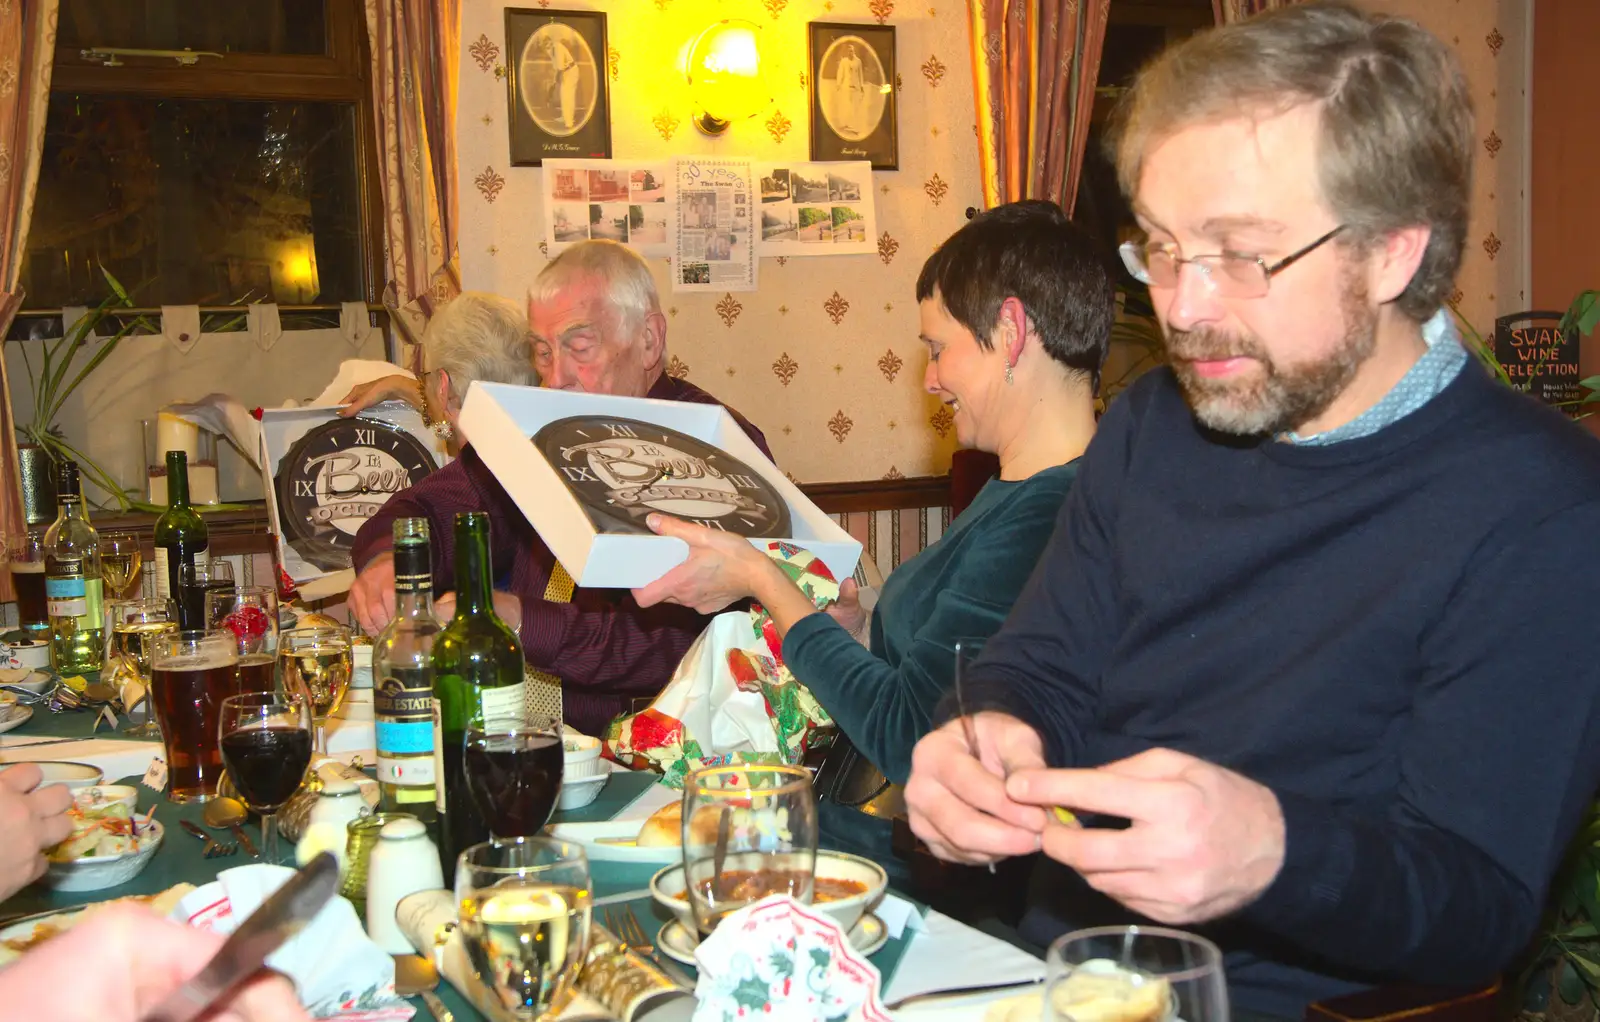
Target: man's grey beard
[{"x": 1280, "y": 399}]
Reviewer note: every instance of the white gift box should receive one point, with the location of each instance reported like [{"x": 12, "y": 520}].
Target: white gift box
[
  {"x": 281, "y": 429},
  {"x": 499, "y": 419}
]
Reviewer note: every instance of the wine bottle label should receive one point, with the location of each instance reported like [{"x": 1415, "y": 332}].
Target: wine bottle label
[
  {"x": 409, "y": 771},
  {"x": 503, "y": 701},
  {"x": 66, "y": 591},
  {"x": 163, "y": 586},
  {"x": 438, "y": 758}
]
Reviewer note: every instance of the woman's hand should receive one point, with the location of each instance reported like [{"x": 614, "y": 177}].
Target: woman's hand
[
  {"x": 847, "y": 610},
  {"x": 386, "y": 388},
  {"x": 722, "y": 568}
]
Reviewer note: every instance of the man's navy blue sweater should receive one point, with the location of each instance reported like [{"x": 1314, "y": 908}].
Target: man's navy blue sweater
[{"x": 1395, "y": 634}]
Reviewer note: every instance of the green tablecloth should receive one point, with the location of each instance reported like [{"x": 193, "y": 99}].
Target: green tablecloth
[{"x": 179, "y": 860}]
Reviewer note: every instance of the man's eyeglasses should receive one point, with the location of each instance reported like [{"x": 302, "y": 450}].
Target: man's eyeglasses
[{"x": 1230, "y": 274}]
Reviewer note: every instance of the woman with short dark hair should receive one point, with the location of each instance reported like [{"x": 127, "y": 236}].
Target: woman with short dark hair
[{"x": 1016, "y": 310}]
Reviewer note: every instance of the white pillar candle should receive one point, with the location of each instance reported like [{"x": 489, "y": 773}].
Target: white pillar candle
[{"x": 175, "y": 434}]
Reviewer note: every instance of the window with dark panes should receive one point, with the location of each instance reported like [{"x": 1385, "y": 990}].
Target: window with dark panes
[{"x": 206, "y": 153}]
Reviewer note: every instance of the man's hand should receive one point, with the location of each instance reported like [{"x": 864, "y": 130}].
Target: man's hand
[
  {"x": 372, "y": 594},
  {"x": 958, "y": 803},
  {"x": 385, "y": 388},
  {"x": 721, "y": 568},
  {"x": 138, "y": 959},
  {"x": 1205, "y": 841},
  {"x": 32, "y": 819},
  {"x": 847, "y": 609},
  {"x": 507, "y": 607}
]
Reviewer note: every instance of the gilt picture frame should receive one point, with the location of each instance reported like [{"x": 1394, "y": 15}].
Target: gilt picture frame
[
  {"x": 557, "y": 91},
  {"x": 851, "y": 78}
]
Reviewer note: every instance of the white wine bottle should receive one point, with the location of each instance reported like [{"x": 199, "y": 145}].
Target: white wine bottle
[
  {"x": 72, "y": 585},
  {"x": 402, "y": 672}
]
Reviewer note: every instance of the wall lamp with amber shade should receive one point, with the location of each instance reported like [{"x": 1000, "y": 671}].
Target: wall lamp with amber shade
[{"x": 724, "y": 71}]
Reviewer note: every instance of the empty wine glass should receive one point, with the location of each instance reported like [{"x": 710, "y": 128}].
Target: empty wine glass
[
  {"x": 266, "y": 748},
  {"x": 513, "y": 768},
  {"x": 524, "y": 905},
  {"x": 317, "y": 661},
  {"x": 1154, "y": 973},
  {"x": 250, "y": 615},
  {"x": 748, "y": 832}
]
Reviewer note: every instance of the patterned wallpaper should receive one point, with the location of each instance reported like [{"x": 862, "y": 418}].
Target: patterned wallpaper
[
  {"x": 1492, "y": 38},
  {"x": 824, "y": 356}
]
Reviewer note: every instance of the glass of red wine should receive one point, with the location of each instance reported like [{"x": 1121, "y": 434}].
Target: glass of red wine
[
  {"x": 266, "y": 748},
  {"x": 513, "y": 770}
]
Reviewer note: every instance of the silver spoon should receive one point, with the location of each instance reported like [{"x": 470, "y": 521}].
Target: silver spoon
[{"x": 415, "y": 976}]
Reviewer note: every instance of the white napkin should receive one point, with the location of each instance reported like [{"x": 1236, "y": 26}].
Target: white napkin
[
  {"x": 353, "y": 371},
  {"x": 946, "y": 954},
  {"x": 336, "y": 969}
]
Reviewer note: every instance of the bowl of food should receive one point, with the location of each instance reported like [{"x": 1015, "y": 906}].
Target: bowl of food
[
  {"x": 577, "y": 792},
  {"x": 74, "y": 775},
  {"x": 99, "y": 796},
  {"x": 581, "y": 756},
  {"x": 109, "y": 846},
  {"x": 844, "y": 886}
]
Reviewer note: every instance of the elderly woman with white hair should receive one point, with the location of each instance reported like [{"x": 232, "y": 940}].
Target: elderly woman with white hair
[{"x": 477, "y": 336}]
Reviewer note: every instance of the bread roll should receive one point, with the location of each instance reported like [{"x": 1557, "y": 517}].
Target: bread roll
[{"x": 663, "y": 828}]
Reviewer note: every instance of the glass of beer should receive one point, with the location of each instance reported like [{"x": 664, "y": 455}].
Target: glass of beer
[
  {"x": 134, "y": 627},
  {"x": 192, "y": 672},
  {"x": 317, "y": 661},
  {"x": 1134, "y": 974},
  {"x": 27, "y": 578},
  {"x": 524, "y": 906},
  {"x": 250, "y": 615},
  {"x": 748, "y": 832}
]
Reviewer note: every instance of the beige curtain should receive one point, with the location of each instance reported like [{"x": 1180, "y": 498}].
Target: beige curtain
[
  {"x": 415, "y": 70},
  {"x": 27, "y": 50},
  {"x": 1035, "y": 64},
  {"x": 1238, "y": 10}
]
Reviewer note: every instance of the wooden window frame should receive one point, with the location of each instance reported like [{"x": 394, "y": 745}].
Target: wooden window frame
[{"x": 340, "y": 75}]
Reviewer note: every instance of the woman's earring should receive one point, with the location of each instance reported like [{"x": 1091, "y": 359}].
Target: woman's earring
[
  {"x": 443, "y": 430},
  {"x": 1009, "y": 378}
]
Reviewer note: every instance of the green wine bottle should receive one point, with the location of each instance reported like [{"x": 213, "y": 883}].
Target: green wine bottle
[
  {"x": 477, "y": 676},
  {"x": 180, "y": 540}
]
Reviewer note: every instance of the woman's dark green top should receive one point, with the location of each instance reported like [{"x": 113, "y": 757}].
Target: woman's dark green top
[{"x": 959, "y": 588}]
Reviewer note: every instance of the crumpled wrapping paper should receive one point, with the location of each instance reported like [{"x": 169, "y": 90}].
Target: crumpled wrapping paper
[{"x": 731, "y": 699}]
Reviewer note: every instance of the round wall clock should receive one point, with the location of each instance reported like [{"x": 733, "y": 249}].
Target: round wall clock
[
  {"x": 337, "y": 476},
  {"x": 620, "y": 470}
]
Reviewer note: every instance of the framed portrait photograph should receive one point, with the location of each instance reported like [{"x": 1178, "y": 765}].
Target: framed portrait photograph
[
  {"x": 556, "y": 85},
  {"x": 854, "y": 113}
]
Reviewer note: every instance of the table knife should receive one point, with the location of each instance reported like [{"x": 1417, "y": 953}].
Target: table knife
[
  {"x": 244, "y": 839},
  {"x": 279, "y": 918}
]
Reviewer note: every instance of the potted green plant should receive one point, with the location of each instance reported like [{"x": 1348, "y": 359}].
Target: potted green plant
[{"x": 41, "y": 441}]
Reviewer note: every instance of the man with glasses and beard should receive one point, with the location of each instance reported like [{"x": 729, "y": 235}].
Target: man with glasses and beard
[{"x": 1308, "y": 653}]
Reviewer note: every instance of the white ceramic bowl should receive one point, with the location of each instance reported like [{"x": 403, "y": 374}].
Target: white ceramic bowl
[
  {"x": 73, "y": 775},
  {"x": 98, "y": 796},
  {"x": 582, "y": 756},
  {"x": 577, "y": 792},
  {"x": 101, "y": 871},
  {"x": 38, "y": 682},
  {"x": 666, "y": 887}
]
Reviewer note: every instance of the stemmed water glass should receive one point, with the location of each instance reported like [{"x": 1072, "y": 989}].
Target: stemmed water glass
[
  {"x": 1156, "y": 974},
  {"x": 134, "y": 627},
  {"x": 748, "y": 832},
  {"x": 266, "y": 748},
  {"x": 250, "y": 615},
  {"x": 317, "y": 662},
  {"x": 513, "y": 768},
  {"x": 524, "y": 905}
]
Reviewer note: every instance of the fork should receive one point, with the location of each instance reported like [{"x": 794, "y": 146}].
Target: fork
[
  {"x": 626, "y": 926},
  {"x": 214, "y": 849}
]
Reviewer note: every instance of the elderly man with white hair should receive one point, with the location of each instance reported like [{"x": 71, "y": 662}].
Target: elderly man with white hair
[{"x": 597, "y": 327}]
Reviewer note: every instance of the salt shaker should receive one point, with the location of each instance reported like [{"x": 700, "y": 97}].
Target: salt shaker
[
  {"x": 404, "y": 862},
  {"x": 337, "y": 804}
]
